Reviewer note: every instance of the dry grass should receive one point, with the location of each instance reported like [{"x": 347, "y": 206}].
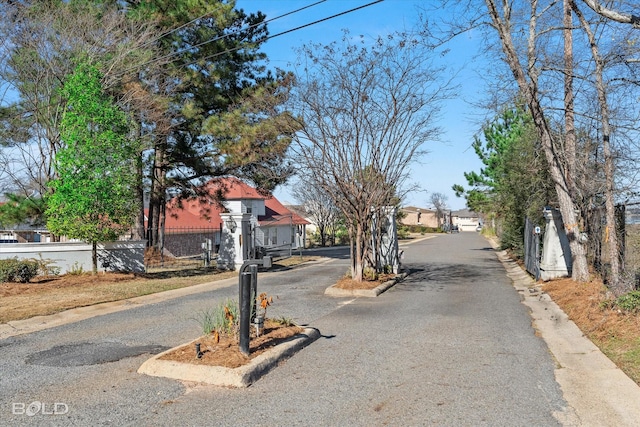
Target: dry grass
[
  {"x": 50, "y": 295},
  {"x": 616, "y": 333}
]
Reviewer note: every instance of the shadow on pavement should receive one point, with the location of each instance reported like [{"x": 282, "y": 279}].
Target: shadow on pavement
[{"x": 441, "y": 273}]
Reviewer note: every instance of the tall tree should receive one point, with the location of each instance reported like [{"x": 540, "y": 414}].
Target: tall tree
[
  {"x": 93, "y": 195},
  {"x": 366, "y": 108},
  {"x": 602, "y": 94},
  {"x": 514, "y": 183},
  {"x": 215, "y": 65},
  {"x": 527, "y": 78},
  {"x": 439, "y": 202},
  {"x": 41, "y": 38},
  {"x": 319, "y": 206}
]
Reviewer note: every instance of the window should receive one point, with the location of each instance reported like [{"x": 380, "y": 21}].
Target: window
[{"x": 271, "y": 236}]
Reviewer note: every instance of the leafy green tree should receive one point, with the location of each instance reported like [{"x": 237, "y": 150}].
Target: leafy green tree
[
  {"x": 40, "y": 39},
  {"x": 93, "y": 196}
]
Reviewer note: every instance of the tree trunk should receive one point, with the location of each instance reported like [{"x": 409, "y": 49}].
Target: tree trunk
[
  {"x": 139, "y": 232},
  {"x": 614, "y": 281},
  {"x": 323, "y": 235},
  {"x": 358, "y": 258},
  {"x": 529, "y": 89},
  {"x": 94, "y": 258},
  {"x": 569, "y": 114}
]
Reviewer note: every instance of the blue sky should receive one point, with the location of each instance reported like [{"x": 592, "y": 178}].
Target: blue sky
[{"x": 448, "y": 159}]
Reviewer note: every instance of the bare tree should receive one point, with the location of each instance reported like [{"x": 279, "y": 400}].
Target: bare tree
[
  {"x": 320, "y": 208},
  {"x": 439, "y": 202},
  {"x": 366, "y": 109},
  {"x": 601, "y": 89},
  {"x": 42, "y": 44},
  {"x": 527, "y": 78},
  {"x": 614, "y": 15}
]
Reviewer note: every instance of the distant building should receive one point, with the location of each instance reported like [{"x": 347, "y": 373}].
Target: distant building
[
  {"x": 465, "y": 219},
  {"x": 419, "y": 216},
  {"x": 301, "y": 211},
  {"x": 273, "y": 225}
]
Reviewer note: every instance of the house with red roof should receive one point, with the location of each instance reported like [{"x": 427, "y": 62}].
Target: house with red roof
[{"x": 273, "y": 226}]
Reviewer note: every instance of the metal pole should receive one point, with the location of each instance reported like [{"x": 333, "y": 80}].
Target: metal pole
[
  {"x": 245, "y": 312},
  {"x": 245, "y": 282},
  {"x": 253, "y": 269}
]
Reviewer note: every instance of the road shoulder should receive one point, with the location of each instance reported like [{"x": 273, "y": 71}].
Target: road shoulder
[{"x": 596, "y": 390}]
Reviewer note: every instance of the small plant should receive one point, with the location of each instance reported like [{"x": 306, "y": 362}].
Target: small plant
[
  {"x": 607, "y": 304},
  {"x": 285, "y": 321},
  {"x": 46, "y": 267},
  {"x": 370, "y": 274},
  {"x": 629, "y": 302},
  {"x": 76, "y": 269},
  {"x": 263, "y": 301},
  {"x": 222, "y": 319}
]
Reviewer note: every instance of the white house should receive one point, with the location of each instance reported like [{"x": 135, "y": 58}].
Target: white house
[
  {"x": 272, "y": 225},
  {"x": 465, "y": 219}
]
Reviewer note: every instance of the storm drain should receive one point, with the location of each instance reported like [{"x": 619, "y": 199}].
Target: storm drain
[{"x": 90, "y": 353}]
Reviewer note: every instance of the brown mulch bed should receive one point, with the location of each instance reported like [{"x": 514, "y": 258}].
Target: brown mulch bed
[{"x": 226, "y": 352}]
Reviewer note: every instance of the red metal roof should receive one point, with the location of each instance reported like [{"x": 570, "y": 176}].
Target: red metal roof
[
  {"x": 233, "y": 189},
  {"x": 276, "y": 213},
  {"x": 196, "y": 213}
]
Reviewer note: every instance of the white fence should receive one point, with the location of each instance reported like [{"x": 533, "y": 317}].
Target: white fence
[{"x": 122, "y": 256}]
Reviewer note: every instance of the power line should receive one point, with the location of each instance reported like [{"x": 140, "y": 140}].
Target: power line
[
  {"x": 287, "y": 31},
  {"x": 215, "y": 38}
]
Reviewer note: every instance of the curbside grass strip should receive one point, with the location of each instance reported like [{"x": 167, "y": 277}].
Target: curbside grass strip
[
  {"x": 240, "y": 377},
  {"x": 334, "y": 291}
]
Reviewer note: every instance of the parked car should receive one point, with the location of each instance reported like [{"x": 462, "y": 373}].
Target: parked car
[
  {"x": 479, "y": 228},
  {"x": 455, "y": 229}
]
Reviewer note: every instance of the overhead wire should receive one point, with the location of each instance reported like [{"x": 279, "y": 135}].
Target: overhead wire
[
  {"x": 262, "y": 40},
  {"x": 215, "y": 38}
]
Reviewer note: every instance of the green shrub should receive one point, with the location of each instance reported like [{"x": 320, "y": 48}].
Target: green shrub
[
  {"x": 403, "y": 232},
  {"x": 629, "y": 301},
  {"x": 14, "y": 270}
]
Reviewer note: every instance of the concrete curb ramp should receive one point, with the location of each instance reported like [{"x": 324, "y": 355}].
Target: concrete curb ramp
[
  {"x": 333, "y": 291},
  {"x": 240, "y": 377}
]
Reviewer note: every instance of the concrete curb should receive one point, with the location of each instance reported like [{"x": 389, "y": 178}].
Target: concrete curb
[
  {"x": 240, "y": 377},
  {"x": 333, "y": 291},
  {"x": 597, "y": 392}
]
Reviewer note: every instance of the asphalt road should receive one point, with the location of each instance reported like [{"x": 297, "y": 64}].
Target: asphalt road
[{"x": 451, "y": 345}]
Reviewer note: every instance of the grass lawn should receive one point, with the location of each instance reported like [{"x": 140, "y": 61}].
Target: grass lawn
[{"x": 50, "y": 295}]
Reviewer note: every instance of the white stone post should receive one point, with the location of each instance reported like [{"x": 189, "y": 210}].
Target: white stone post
[
  {"x": 556, "y": 254},
  {"x": 235, "y": 241}
]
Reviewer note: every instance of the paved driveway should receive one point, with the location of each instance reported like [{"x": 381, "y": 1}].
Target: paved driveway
[{"x": 451, "y": 345}]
